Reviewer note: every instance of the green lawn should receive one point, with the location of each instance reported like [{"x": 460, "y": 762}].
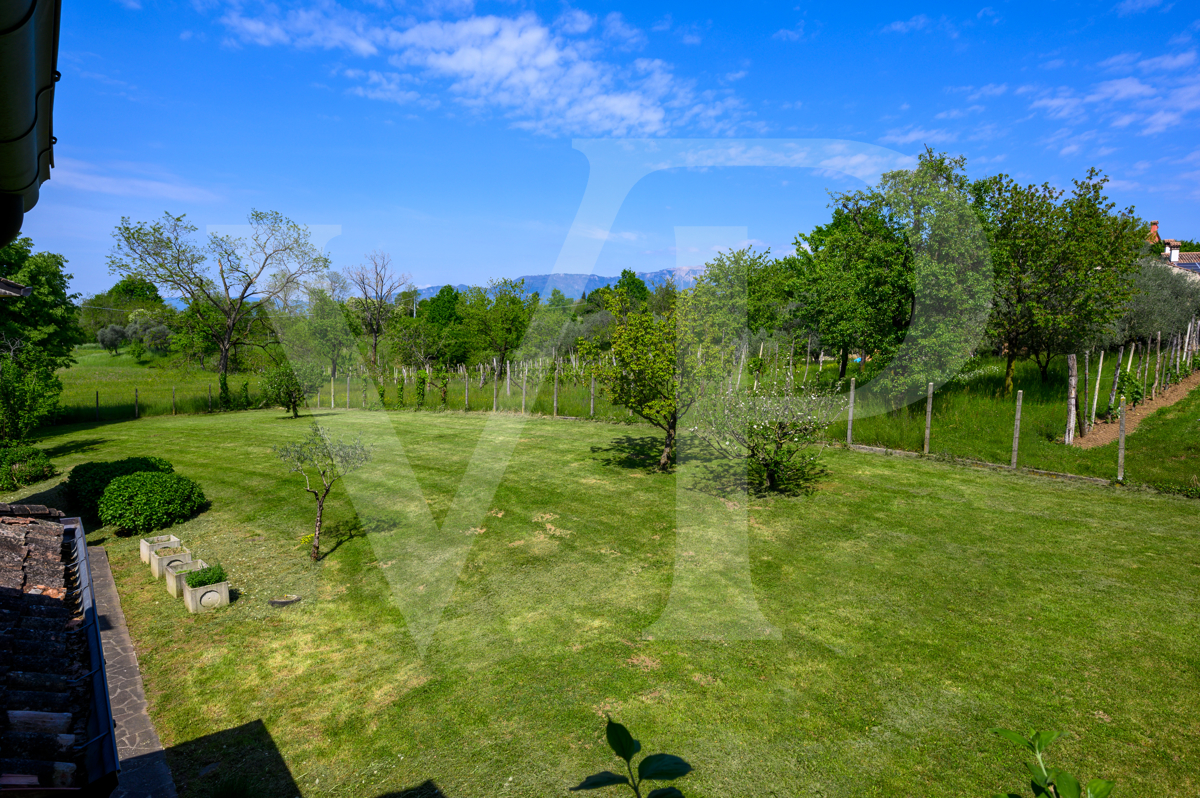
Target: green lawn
[{"x": 905, "y": 609}]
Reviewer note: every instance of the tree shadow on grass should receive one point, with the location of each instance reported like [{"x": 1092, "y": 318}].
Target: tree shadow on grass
[
  {"x": 74, "y": 447},
  {"x": 428, "y": 789},
  {"x": 54, "y": 497},
  {"x": 631, "y": 452},
  {"x": 340, "y": 532}
]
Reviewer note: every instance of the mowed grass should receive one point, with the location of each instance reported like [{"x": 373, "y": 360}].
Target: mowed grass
[
  {"x": 975, "y": 421},
  {"x": 918, "y": 604}
]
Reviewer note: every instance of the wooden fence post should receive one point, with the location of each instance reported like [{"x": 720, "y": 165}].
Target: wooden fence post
[
  {"x": 524, "y": 379},
  {"x": 172, "y": 400},
  {"x": 210, "y": 397},
  {"x": 508, "y": 378},
  {"x": 928, "y": 414},
  {"x": 332, "y": 392},
  {"x": 495, "y": 386},
  {"x": 1112, "y": 395},
  {"x": 1157, "y": 367},
  {"x": 556, "y": 389},
  {"x": 850, "y": 416},
  {"x": 318, "y": 397},
  {"x": 1081, "y": 414},
  {"x": 1072, "y": 398},
  {"x": 592, "y": 405},
  {"x": 1017, "y": 429},
  {"x": 135, "y": 403},
  {"x": 348, "y": 389},
  {"x": 466, "y": 390},
  {"x": 1096, "y": 392},
  {"x": 1121, "y": 446}
]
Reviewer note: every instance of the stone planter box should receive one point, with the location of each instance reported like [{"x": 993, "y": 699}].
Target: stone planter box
[
  {"x": 203, "y": 599},
  {"x": 177, "y": 576},
  {"x": 159, "y": 542},
  {"x": 159, "y": 562}
]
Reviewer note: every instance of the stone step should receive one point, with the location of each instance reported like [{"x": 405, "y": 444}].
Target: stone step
[{"x": 37, "y": 745}]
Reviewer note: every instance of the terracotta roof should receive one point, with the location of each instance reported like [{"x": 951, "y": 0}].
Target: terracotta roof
[
  {"x": 9, "y": 288},
  {"x": 1189, "y": 257},
  {"x": 53, "y": 705},
  {"x": 1171, "y": 242},
  {"x": 30, "y": 510}
]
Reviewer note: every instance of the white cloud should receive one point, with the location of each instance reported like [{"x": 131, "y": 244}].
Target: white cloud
[
  {"x": 790, "y": 34},
  {"x": 919, "y": 22},
  {"x": 990, "y": 90},
  {"x": 958, "y": 113},
  {"x": 1054, "y": 64},
  {"x": 1168, "y": 62},
  {"x": 1120, "y": 61},
  {"x": 132, "y": 5},
  {"x": 1070, "y": 149},
  {"x": 1120, "y": 89},
  {"x": 538, "y": 76},
  {"x": 574, "y": 22},
  {"x": 1064, "y": 105},
  {"x": 118, "y": 180},
  {"x": 625, "y": 35},
  {"x": 1127, "y": 7},
  {"x": 914, "y": 133}
]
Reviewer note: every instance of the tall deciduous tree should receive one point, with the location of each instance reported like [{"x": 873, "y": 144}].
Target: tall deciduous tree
[
  {"x": 377, "y": 285},
  {"x": 249, "y": 273},
  {"x": 47, "y": 319},
  {"x": 1064, "y": 267},
  {"x": 497, "y": 316}
]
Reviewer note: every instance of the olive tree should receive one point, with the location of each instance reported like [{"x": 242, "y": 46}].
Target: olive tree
[{"x": 320, "y": 458}]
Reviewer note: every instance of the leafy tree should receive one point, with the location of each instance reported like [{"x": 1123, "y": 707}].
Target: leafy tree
[
  {"x": 636, "y": 291},
  {"x": 250, "y": 272},
  {"x": 115, "y": 305},
  {"x": 29, "y": 390},
  {"x": 47, "y": 319},
  {"x": 1164, "y": 299},
  {"x": 653, "y": 368},
  {"x": 376, "y": 284},
  {"x": 1063, "y": 267},
  {"x": 497, "y": 316},
  {"x": 287, "y": 385},
  {"x": 111, "y": 338},
  {"x": 320, "y": 457},
  {"x": 853, "y": 278},
  {"x": 330, "y": 327}
]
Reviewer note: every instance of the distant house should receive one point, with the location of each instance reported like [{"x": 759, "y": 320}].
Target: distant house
[{"x": 1186, "y": 262}]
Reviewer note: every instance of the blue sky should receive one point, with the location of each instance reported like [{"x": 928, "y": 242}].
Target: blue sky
[{"x": 442, "y": 131}]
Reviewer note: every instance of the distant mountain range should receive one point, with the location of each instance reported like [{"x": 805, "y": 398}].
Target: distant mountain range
[
  {"x": 572, "y": 285},
  {"x": 575, "y": 285}
]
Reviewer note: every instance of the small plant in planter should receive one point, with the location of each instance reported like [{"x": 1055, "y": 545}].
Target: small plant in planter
[
  {"x": 176, "y": 576},
  {"x": 656, "y": 767},
  {"x": 206, "y": 589}
]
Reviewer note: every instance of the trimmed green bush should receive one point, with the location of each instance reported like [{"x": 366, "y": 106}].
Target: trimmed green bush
[
  {"x": 145, "y": 501},
  {"x": 87, "y": 481},
  {"x": 23, "y": 465},
  {"x": 206, "y": 576}
]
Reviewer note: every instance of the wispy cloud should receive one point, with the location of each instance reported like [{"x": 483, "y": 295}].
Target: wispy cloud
[
  {"x": 919, "y": 22},
  {"x": 127, "y": 180},
  {"x": 790, "y": 34},
  {"x": 914, "y": 133},
  {"x": 544, "y": 78},
  {"x": 1127, "y": 7}
]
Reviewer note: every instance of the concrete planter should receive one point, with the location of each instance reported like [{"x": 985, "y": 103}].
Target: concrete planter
[
  {"x": 177, "y": 576},
  {"x": 203, "y": 599},
  {"x": 159, "y": 542},
  {"x": 159, "y": 562}
]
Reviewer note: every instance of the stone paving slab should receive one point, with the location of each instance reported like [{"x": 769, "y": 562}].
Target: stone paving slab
[{"x": 144, "y": 771}]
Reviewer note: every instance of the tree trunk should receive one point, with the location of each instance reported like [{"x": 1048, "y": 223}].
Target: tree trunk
[
  {"x": 316, "y": 547},
  {"x": 845, "y": 361},
  {"x": 223, "y": 362},
  {"x": 664, "y": 462},
  {"x": 1009, "y": 370}
]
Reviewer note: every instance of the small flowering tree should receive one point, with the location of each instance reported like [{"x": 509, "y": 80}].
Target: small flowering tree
[{"x": 774, "y": 432}]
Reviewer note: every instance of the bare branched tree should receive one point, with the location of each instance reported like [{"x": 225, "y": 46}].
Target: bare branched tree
[
  {"x": 377, "y": 284},
  {"x": 250, "y": 272}
]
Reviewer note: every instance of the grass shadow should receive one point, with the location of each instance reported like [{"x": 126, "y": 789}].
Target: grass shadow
[
  {"x": 51, "y": 497},
  {"x": 631, "y": 452},
  {"x": 74, "y": 447},
  {"x": 427, "y": 789}
]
